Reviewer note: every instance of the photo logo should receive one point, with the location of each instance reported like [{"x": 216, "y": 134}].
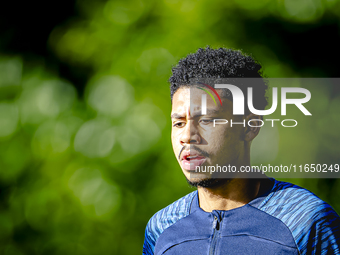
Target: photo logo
[
  {"x": 204, "y": 97},
  {"x": 238, "y": 100}
]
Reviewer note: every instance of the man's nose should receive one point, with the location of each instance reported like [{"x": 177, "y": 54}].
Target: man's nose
[{"x": 190, "y": 134}]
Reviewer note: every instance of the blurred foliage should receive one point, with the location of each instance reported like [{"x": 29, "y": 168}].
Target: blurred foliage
[{"x": 85, "y": 151}]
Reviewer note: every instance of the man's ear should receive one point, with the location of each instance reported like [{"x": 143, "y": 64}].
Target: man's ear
[{"x": 252, "y": 131}]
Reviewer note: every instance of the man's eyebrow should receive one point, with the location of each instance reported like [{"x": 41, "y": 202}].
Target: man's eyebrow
[
  {"x": 177, "y": 116},
  {"x": 209, "y": 112},
  {"x": 194, "y": 114}
]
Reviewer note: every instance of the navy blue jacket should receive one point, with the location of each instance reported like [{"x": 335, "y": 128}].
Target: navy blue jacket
[{"x": 285, "y": 220}]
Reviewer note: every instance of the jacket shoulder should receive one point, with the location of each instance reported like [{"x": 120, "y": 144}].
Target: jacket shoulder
[
  {"x": 313, "y": 223},
  {"x": 165, "y": 218}
]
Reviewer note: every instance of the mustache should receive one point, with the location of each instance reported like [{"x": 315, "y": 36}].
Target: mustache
[{"x": 193, "y": 147}]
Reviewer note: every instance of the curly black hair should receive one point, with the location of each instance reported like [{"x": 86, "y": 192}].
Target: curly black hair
[{"x": 218, "y": 64}]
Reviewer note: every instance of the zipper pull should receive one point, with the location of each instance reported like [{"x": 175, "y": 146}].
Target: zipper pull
[
  {"x": 215, "y": 221},
  {"x": 216, "y": 224}
]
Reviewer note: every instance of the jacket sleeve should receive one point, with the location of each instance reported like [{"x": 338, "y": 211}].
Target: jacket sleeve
[
  {"x": 149, "y": 239},
  {"x": 324, "y": 237}
]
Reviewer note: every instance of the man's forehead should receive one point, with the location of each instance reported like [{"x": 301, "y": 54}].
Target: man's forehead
[
  {"x": 182, "y": 94},
  {"x": 188, "y": 100},
  {"x": 187, "y": 92}
]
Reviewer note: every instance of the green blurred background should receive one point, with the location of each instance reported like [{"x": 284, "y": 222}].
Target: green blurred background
[{"x": 85, "y": 152}]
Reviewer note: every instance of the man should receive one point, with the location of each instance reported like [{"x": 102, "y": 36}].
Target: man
[{"x": 233, "y": 213}]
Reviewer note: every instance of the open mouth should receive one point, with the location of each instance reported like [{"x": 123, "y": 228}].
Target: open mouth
[
  {"x": 193, "y": 157},
  {"x": 191, "y": 160}
]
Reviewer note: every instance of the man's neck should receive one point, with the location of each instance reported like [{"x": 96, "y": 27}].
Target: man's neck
[{"x": 229, "y": 194}]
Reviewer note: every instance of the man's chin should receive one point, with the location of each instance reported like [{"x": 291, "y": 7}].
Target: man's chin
[{"x": 206, "y": 183}]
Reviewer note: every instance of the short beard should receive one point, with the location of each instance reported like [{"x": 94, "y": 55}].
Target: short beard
[{"x": 207, "y": 183}]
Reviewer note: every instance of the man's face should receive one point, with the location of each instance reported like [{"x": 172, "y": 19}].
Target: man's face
[{"x": 196, "y": 143}]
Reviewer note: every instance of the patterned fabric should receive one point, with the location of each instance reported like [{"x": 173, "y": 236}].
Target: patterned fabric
[
  {"x": 164, "y": 219},
  {"x": 313, "y": 224}
]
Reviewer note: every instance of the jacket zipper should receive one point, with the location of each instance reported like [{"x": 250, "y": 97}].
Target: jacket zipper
[{"x": 216, "y": 227}]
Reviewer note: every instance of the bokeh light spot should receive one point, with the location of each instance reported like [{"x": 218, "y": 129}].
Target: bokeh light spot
[
  {"x": 90, "y": 187},
  {"x": 45, "y": 100},
  {"x": 9, "y": 117},
  {"x": 95, "y": 138},
  {"x": 10, "y": 71},
  {"x": 110, "y": 95}
]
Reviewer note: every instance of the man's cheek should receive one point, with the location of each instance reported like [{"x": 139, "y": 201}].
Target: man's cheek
[{"x": 173, "y": 136}]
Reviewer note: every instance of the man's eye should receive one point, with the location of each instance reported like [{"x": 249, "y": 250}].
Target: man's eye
[
  {"x": 205, "y": 121},
  {"x": 179, "y": 124}
]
